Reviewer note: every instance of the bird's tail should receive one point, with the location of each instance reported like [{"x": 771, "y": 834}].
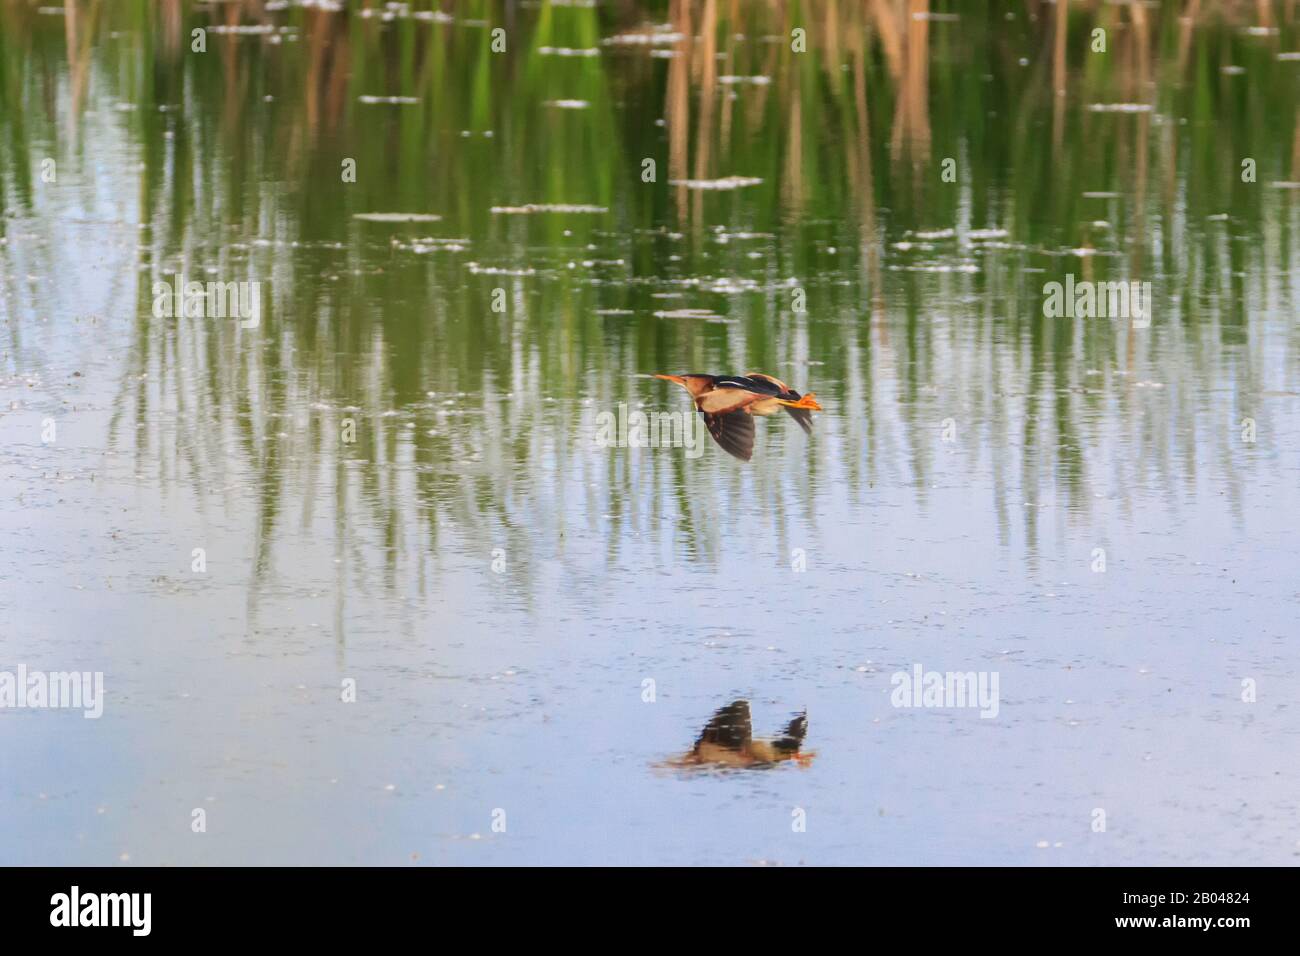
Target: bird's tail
[{"x": 808, "y": 403}]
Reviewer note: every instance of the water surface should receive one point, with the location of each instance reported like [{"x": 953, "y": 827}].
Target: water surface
[{"x": 393, "y": 483}]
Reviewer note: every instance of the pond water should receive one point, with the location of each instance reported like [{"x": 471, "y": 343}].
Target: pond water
[{"x": 388, "y": 488}]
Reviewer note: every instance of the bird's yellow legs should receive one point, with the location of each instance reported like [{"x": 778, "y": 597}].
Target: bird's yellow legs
[{"x": 808, "y": 402}]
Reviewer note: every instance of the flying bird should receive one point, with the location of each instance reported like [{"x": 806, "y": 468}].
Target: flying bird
[
  {"x": 730, "y": 402},
  {"x": 728, "y": 741}
]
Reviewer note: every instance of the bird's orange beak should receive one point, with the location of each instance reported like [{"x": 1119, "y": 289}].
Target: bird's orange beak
[{"x": 672, "y": 378}]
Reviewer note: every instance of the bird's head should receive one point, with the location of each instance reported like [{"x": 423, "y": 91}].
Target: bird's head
[{"x": 696, "y": 384}]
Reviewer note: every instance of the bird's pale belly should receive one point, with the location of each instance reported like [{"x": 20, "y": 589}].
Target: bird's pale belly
[
  {"x": 765, "y": 406},
  {"x": 755, "y": 753}
]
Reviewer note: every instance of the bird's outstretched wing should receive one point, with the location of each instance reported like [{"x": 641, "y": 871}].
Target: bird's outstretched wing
[
  {"x": 776, "y": 383},
  {"x": 794, "y": 734},
  {"x": 733, "y": 431},
  {"x": 801, "y": 415},
  {"x": 729, "y": 727}
]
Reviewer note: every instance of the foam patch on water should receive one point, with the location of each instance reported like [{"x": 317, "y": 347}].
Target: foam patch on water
[
  {"x": 533, "y": 208},
  {"x": 398, "y": 216},
  {"x": 701, "y": 314},
  {"x": 661, "y": 35},
  {"x": 1119, "y": 107},
  {"x": 727, "y": 182},
  {"x": 568, "y": 51}
]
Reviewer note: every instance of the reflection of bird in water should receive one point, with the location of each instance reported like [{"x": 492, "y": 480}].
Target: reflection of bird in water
[
  {"x": 729, "y": 402},
  {"x": 727, "y": 741}
]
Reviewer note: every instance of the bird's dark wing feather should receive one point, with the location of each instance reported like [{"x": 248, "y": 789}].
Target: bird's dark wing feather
[
  {"x": 744, "y": 382},
  {"x": 733, "y": 431},
  {"x": 768, "y": 383},
  {"x": 801, "y": 415},
  {"x": 729, "y": 727},
  {"x": 795, "y": 732}
]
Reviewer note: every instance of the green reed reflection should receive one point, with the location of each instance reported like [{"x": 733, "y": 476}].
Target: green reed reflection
[{"x": 924, "y": 296}]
